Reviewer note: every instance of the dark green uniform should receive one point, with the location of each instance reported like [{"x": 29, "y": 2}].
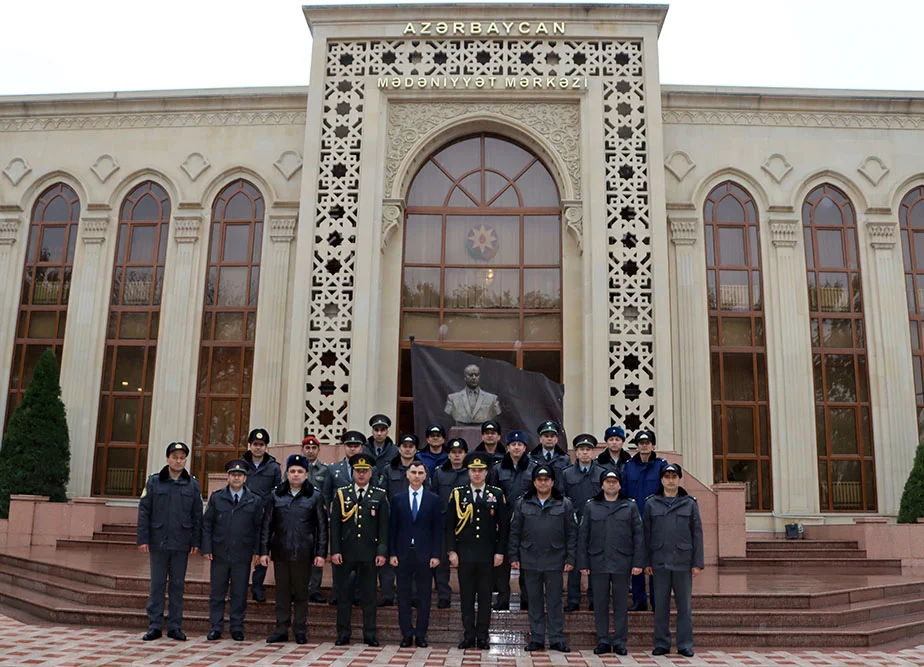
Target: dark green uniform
[
  {"x": 476, "y": 530},
  {"x": 359, "y": 532}
]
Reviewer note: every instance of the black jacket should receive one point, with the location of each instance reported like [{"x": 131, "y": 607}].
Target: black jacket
[
  {"x": 231, "y": 533},
  {"x": 170, "y": 512},
  {"x": 445, "y": 479},
  {"x": 605, "y": 460},
  {"x": 265, "y": 478},
  {"x": 498, "y": 454},
  {"x": 294, "y": 527},
  {"x": 513, "y": 479},
  {"x": 610, "y": 538},
  {"x": 579, "y": 486},
  {"x": 389, "y": 452},
  {"x": 394, "y": 478},
  {"x": 543, "y": 537},
  {"x": 673, "y": 532}
]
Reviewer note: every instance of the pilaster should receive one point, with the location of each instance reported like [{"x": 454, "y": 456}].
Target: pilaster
[
  {"x": 85, "y": 342},
  {"x": 269, "y": 347},
  {"x": 11, "y": 254},
  {"x": 789, "y": 361},
  {"x": 692, "y": 437},
  {"x": 895, "y": 432},
  {"x": 175, "y": 375}
]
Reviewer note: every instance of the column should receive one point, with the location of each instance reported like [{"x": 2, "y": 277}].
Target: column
[
  {"x": 11, "y": 275},
  {"x": 174, "y": 398},
  {"x": 789, "y": 362},
  {"x": 895, "y": 429},
  {"x": 692, "y": 437},
  {"x": 271, "y": 322},
  {"x": 85, "y": 342}
]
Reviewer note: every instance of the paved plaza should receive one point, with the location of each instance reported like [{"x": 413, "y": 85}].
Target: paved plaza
[{"x": 27, "y": 644}]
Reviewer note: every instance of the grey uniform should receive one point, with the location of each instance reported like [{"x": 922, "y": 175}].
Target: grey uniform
[
  {"x": 674, "y": 539},
  {"x": 170, "y": 523},
  {"x": 543, "y": 539},
  {"x": 610, "y": 543},
  {"x": 580, "y": 486},
  {"x": 231, "y": 534},
  {"x": 262, "y": 480},
  {"x": 317, "y": 475}
]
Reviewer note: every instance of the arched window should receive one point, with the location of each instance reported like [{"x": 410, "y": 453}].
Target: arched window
[
  {"x": 46, "y": 285},
  {"x": 911, "y": 221},
  {"x": 228, "y": 327},
  {"x": 482, "y": 259},
  {"x": 738, "y": 355},
  {"x": 843, "y": 423},
  {"x": 131, "y": 343}
]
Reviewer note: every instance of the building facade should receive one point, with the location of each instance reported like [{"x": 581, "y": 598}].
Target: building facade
[{"x": 735, "y": 268}]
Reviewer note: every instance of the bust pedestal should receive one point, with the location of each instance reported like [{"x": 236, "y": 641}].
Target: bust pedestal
[{"x": 471, "y": 435}]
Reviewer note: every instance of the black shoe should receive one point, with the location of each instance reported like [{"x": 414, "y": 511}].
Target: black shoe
[
  {"x": 277, "y": 638},
  {"x": 639, "y": 606},
  {"x": 685, "y": 652},
  {"x": 177, "y": 635},
  {"x": 421, "y": 642},
  {"x": 535, "y": 646},
  {"x": 301, "y": 639},
  {"x": 213, "y": 635},
  {"x": 467, "y": 643},
  {"x": 237, "y": 636},
  {"x": 620, "y": 650},
  {"x": 482, "y": 644},
  {"x": 524, "y": 607},
  {"x": 357, "y": 603},
  {"x": 406, "y": 641},
  {"x": 561, "y": 647},
  {"x": 443, "y": 604},
  {"x": 384, "y": 602},
  {"x": 501, "y": 606},
  {"x": 590, "y": 607},
  {"x": 333, "y": 603},
  {"x": 572, "y": 606},
  {"x": 660, "y": 651},
  {"x": 152, "y": 634},
  {"x": 259, "y": 597},
  {"x": 415, "y": 603},
  {"x": 342, "y": 641},
  {"x": 372, "y": 642},
  {"x": 602, "y": 648},
  {"x": 318, "y": 598}
]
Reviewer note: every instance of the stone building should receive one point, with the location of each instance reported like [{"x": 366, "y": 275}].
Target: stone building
[{"x": 735, "y": 268}]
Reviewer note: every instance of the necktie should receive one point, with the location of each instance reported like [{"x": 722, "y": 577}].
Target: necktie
[
  {"x": 378, "y": 452},
  {"x": 414, "y": 507},
  {"x": 548, "y": 456},
  {"x": 477, "y": 495},
  {"x": 584, "y": 470},
  {"x": 236, "y": 498},
  {"x": 359, "y": 496}
]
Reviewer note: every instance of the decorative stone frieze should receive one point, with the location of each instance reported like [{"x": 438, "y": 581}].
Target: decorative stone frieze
[
  {"x": 151, "y": 120},
  {"x": 724, "y": 117},
  {"x": 282, "y": 227},
  {"x": 10, "y": 221},
  {"x": 17, "y": 169},
  {"x": 104, "y": 167},
  {"x": 94, "y": 225},
  {"x": 684, "y": 229},
  {"x": 572, "y": 212},
  {"x": 777, "y": 167},
  {"x": 882, "y": 234},
  {"x": 784, "y": 232},
  {"x": 392, "y": 211},
  {"x": 186, "y": 226}
]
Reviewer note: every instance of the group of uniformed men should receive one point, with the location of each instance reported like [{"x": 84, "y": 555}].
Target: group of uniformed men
[{"x": 387, "y": 510}]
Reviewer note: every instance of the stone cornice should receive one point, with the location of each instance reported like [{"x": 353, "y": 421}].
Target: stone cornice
[
  {"x": 832, "y": 120},
  {"x": 134, "y": 121}
]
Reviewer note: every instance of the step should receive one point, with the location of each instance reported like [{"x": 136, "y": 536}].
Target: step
[
  {"x": 109, "y": 536},
  {"x": 125, "y": 528},
  {"x": 808, "y": 554},
  {"x": 856, "y": 565},
  {"x": 66, "y": 543},
  {"x": 807, "y": 545}
]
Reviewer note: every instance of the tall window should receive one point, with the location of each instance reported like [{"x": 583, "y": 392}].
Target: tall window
[
  {"x": 911, "y": 221},
  {"x": 843, "y": 423},
  {"x": 131, "y": 343},
  {"x": 738, "y": 356},
  {"x": 228, "y": 327},
  {"x": 482, "y": 259},
  {"x": 46, "y": 285}
]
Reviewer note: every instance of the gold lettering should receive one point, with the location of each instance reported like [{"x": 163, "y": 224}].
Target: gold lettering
[
  {"x": 564, "y": 82},
  {"x": 492, "y": 29},
  {"x": 421, "y": 82},
  {"x": 558, "y": 28},
  {"x": 537, "y": 82},
  {"x": 454, "y": 80},
  {"x": 541, "y": 29},
  {"x": 425, "y": 28},
  {"x": 507, "y": 26},
  {"x": 435, "y": 82},
  {"x": 510, "y": 82},
  {"x": 442, "y": 28},
  {"x": 550, "y": 82},
  {"x": 492, "y": 79},
  {"x": 475, "y": 29},
  {"x": 458, "y": 28},
  {"x": 479, "y": 82},
  {"x": 524, "y": 82},
  {"x": 383, "y": 82},
  {"x": 409, "y": 82},
  {"x": 585, "y": 82},
  {"x": 576, "y": 82},
  {"x": 396, "y": 83},
  {"x": 466, "y": 80},
  {"x": 523, "y": 27},
  {"x": 409, "y": 29}
]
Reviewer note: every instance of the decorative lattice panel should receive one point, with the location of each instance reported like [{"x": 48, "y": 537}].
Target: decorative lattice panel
[{"x": 618, "y": 63}]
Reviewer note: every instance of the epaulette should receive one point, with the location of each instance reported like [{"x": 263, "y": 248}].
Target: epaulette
[
  {"x": 633, "y": 499},
  {"x": 378, "y": 488}
]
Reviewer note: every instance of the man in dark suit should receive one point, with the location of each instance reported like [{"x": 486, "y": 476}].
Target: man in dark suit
[{"x": 415, "y": 527}]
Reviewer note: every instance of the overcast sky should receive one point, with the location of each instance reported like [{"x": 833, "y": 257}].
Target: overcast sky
[{"x": 61, "y": 46}]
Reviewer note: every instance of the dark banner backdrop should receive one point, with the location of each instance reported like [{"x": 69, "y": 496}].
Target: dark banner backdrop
[{"x": 526, "y": 398}]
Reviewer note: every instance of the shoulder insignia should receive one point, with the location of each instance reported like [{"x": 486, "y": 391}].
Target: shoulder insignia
[{"x": 144, "y": 492}]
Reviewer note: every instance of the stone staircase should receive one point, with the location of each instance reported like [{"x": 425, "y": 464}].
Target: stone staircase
[
  {"x": 826, "y": 555},
  {"x": 103, "y": 582}
]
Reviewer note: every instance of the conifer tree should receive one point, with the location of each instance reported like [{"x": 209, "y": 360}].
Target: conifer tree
[{"x": 912, "y": 505}]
